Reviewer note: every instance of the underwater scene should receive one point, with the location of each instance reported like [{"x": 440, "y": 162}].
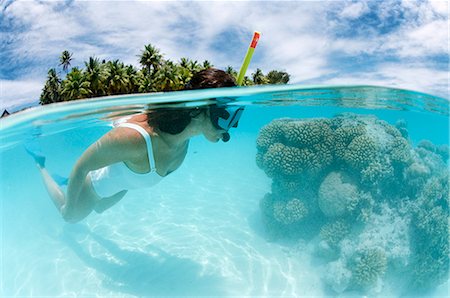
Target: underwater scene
[{"x": 321, "y": 191}]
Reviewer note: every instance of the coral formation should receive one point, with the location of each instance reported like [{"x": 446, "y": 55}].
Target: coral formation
[
  {"x": 344, "y": 135},
  {"x": 357, "y": 185},
  {"x": 361, "y": 151},
  {"x": 336, "y": 195},
  {"x": 376, "y": 173},
  {"x": 388, "y": 229},
  {"x": 288, "y": 148},
  {"x": 431, "y": 234},
  {"x": 334, "y": 232},
  {"x": 270, "y": 134},
  {"x": 442, "y": 150},
  {"x": 400, "y": 152},
  {"x": 369, "y": 265},
  {"x": 402, "y": 127},
  {"x": 436, "y": 191},
  {"x": 290, "y": 212}
]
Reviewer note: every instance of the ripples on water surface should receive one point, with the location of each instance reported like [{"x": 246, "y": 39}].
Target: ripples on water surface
[{"x": 320, "y": 192}]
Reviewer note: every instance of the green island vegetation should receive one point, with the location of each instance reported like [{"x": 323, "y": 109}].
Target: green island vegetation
[
  {"x": 103, "y": 78},
  {"x": 373, "y": 207}
]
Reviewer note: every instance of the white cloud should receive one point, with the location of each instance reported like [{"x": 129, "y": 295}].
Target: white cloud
[
  {"x": 47, "y": 28},
  {"x": 356, "y": 46},
  {"x": 441, "y": 7},
  {"x": 421, "y": 41},
  {"x": 423, "y": 33},
  {"x": 18, "y": 92},
  {"x": 415, "y": 77},
  {"x": 354, "y": 10},
  {"x": 427, "y": 10}
]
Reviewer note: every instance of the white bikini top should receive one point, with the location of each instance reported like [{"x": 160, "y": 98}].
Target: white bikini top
[
  {"x": 117, "y": 177},
  {"x": 148, "y": 141}
]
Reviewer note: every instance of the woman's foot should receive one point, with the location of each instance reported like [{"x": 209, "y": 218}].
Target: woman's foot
[
  {"x": 60, "y": 180},
  {"x": 38, "y": 157},
  {"x": 33, "y": 147}
]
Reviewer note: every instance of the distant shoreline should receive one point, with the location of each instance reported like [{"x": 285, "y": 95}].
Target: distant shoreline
[{"x": 17, "y": 108}]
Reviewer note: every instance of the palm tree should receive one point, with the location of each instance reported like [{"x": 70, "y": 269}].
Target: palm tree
[
  {"x": 151, "y": 59},
  {"x": 133, "y": 82},
  {"x": 206, "y": 64},
  {"x": 75, "y": 86},
  {"x": 194, "y": 66},
  {"x": 184, "y": 62},
  {"x": 277, "y": 77},
  {"x": 93, "y": 74},
  {"x": 145, "y": 83},
  {"x": 65, "y": 59},
  {"x": 247, "y": 81},
  {"x": 186, "y": 68},
  {"x": 191, "y": 65},
  {"x": 52, "y": 89},
  {"x": 230, "y": 70},
  {"x": 167, "y": 78},
  {"x": 116, "y": 78},
  {"x": 258, "y": 77},
  {"x": 184, "y": 76}
]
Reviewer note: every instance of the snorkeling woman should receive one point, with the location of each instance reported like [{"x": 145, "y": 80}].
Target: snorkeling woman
[{"x": 139, "y": 151}]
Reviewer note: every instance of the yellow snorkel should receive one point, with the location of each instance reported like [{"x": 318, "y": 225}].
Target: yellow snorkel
[
  {"x": 248, "y": 57},
  {"x": 234, "y": 113}
]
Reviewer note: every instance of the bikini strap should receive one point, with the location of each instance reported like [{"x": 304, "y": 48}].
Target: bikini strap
[{"x": 148, "y": 141}]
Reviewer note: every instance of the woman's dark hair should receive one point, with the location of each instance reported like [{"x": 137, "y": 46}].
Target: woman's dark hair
[
  {"x": 175, "y": 120},
  {"x": 210, "y": 78}
]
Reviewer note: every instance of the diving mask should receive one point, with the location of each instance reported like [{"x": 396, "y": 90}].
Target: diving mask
[{"x": 225, "y": 117}]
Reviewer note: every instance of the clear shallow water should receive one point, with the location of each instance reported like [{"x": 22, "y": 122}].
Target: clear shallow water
[{"x": 202, "y": 230}]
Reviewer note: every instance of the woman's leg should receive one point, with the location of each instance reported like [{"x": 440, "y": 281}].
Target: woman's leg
[
  {"x": 86, "y": 198},
  {"x": 53, "y": 189},
  {"x": 85, "y": 204}
]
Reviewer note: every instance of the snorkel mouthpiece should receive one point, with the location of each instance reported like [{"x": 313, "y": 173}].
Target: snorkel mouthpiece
[{"x": 225, "y": 137}]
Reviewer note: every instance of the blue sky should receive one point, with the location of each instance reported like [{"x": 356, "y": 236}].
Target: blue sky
[{"x": 398, "y": 43}]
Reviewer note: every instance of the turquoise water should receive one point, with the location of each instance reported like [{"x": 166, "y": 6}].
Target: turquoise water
[{"x": 321, "y": 191}]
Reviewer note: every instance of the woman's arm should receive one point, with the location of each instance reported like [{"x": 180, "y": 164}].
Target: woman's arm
[{"x": 118, "y": 145}]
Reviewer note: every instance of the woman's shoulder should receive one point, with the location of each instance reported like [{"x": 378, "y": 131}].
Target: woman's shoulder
[
  {"x": 127, "y": 135},
  {"x": 142, "y": 121},
  {"x": 139, "y": 118}
]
